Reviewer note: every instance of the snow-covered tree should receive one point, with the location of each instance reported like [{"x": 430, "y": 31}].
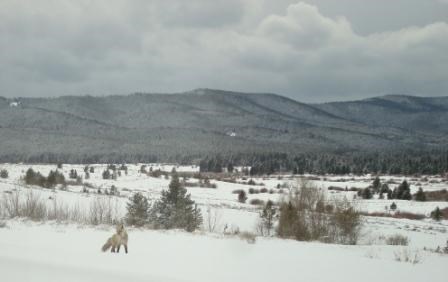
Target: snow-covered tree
[{"x": 176, "y": 209}]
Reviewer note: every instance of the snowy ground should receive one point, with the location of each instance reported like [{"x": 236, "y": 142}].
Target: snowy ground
[
  {"x": 69, "y": 252},
  {"x": 47, "y": 252}
]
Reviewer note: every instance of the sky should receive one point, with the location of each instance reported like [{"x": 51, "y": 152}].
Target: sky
[{"x": 311, "y": 51}]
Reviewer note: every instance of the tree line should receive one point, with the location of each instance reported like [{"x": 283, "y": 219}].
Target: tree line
[{"x": 405, "y": 162}]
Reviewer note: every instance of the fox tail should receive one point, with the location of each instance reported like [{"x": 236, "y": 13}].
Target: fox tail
[{"x": 107, "y": 245}]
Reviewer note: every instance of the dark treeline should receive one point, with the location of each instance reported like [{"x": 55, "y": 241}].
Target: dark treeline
[{"x": 407, "y": 162}]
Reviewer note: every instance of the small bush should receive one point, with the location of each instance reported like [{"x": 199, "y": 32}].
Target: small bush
[
  {"x": 242, "y": 196},
  {"x": 253, "y": 191},
  {"x": 397, "y": 240},
  {"x": 103, "y": 210},
  {"x": 436, "y": 214},
  {"x": 437, "y": 196},
  {"x": 406, "y": 255},
  {"x": 305, "y": 217},
  {"x": 4, "y": 173},
  {"x": 335, "y": 188},
  {"x": 409, "y": 215},
  {"x": 256, "y": 202},
  {"x": 248, "y": 237},
  {"x": 393, "y": 206}
]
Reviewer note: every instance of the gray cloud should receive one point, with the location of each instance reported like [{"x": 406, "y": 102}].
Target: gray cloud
[{"x": 52, "y": 48}]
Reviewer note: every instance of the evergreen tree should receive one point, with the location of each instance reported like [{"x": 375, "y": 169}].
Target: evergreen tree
[
  {"x": 402, "y": 192},
  {"x": 436, "y": 214},
  {"x": 30, "y": 176},
  {"x": 384, "y": 188},
  {"x": 365, "y": 193},
  {"x": 267, "y": 216},
  {"x": 376, "y": 185},
  {"x": 4, "y": 173},
  {"x": 393, "y": 206},
  {"x": 242, "y": 196},
  {"x": 137, "y": 210},
  {"x": 54, "y": 178},
  {"x": 230, "y": 168},
  {"x": 420, "y": 195},
  {"x": 106, "y": 174},
  {"x": 73, "y": 174},
  {"x": 175, "y": 209}
]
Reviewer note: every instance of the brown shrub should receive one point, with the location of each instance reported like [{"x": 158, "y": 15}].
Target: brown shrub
[
  {"x": 437, "y": 196},
  {"x": 256, "y": 202}
]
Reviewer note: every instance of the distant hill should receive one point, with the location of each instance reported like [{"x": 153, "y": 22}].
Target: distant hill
[{"x": 206, "y": 122}]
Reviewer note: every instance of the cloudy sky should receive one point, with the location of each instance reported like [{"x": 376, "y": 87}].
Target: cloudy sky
[{"x": 312, "y": 50}]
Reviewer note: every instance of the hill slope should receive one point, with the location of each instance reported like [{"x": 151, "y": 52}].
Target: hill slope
[{"x": 199, "y": 122}]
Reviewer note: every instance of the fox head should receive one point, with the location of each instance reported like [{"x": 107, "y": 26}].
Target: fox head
[{"x": 120, "y": 228}]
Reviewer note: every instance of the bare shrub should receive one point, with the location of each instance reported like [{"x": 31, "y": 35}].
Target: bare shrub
[
  {"x": 249, "y": 237},
  {"x": 346, "y": 223},
  {"x": 267, "y": 219},
  {"x": 406, "y": 215},
  {"x": 407, "y": 255},
  {"x": 306, "y": 216},
  {"x": 397, "y": 240},
  {"x": 103, "y": 210},
  {"x": 256, "y": 202},
  {"x": 11, "y": 204},
  {"x": 30, "y": 206},
  {"x": 436, "y": 196},
  {"x": 33, "y": 207},
  {"x": 212, "y": 219},
  {"x": 59, "y": 211},
  {"x": 409, "y": 215}
]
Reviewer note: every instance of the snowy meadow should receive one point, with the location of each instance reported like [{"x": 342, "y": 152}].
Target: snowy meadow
[{"x": 56, "y": 232}]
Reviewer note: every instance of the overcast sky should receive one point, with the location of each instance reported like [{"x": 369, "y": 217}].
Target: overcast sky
[{"x": 312, "y": 51}]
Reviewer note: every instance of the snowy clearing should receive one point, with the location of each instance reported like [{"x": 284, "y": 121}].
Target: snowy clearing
[{"x": 50, "y": 251}]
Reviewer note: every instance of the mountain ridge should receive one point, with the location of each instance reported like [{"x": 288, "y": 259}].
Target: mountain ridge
[{"x": 198, "y": 123}]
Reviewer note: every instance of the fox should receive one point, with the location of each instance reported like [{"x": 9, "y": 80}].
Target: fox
[{"x": 118, "y": 239}]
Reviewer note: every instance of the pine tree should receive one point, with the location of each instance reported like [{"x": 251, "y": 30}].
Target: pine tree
[
  {"x": 137, "y": 210},
  {"x": 366, "y": 194},
  {"x": 4, "y": 173},
  {"x": 106, "y": 174},
  {"x": 402, "y": 192},
  {"x": 242, "y": 196},
  {"x": 30, "y": 176},
  {"x": 436, "y": 214},
  {"x": 175, "y": 209},
  {"x": 393, "y": 206},
  {"x": 73, "y": 174},
  {"x": 376, "y": 184},
  {"x": 420, "y": 195},
  {"x": 230, "y": 168}
]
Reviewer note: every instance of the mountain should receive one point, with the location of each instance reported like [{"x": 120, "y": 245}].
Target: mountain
[{"x": 206, "y": 122}]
